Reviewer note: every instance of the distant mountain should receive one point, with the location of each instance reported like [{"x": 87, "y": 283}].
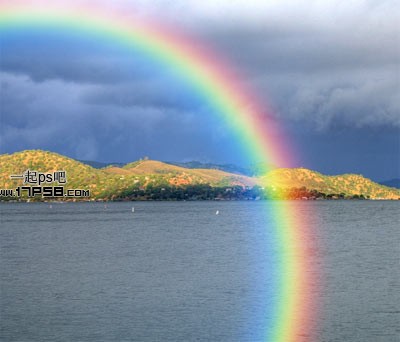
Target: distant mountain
[
  {"x": 99, "y": 165},
  {"x": 254, "y": 170},
  {"x": 224, "y": 167},
  {"x": 151, "y": 179},
  {"x": 393, "y": 183},
  {"x": 231, "y": 168}
]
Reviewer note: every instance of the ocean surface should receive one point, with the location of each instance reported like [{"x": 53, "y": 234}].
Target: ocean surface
[{"x": 177, "y": 271}]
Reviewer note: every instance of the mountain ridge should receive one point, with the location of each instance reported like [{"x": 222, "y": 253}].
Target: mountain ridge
[
  {"x": 145, "y": 177},
  {"x": 253, "y": 170}
]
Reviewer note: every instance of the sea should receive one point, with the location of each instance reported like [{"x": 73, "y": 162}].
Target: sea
[{"x": 190, "y": 271}]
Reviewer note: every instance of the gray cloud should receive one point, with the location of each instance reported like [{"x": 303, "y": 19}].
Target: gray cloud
[
  {"x": 316, "y": 61},
  {"x": 161, "y": 94},
  {"x": 324, "y": 66},
  {"x": 87, "y": 68},
  {"x": 52, "y": 115},
  {"x": 326, "y": 100}
]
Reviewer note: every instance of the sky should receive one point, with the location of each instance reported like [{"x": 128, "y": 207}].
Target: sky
[{"x": 328, "y": 69}]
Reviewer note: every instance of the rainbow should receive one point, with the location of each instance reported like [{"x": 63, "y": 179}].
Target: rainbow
[{"x": 211, "y": 77}]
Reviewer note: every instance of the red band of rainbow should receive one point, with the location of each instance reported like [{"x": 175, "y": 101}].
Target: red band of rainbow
[{"x": 294, "y": 315}]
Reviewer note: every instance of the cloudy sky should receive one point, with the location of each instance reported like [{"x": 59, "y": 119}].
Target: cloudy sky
[{"x": 328, "y": 69}]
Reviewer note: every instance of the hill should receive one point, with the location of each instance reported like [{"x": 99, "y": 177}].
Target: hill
[
  {"x": 79, "y": 175},
  {"x": 141, "y": 177},
  {"x": 230, "y": 168},
  {"x": 342, "y": 185},
  {"x": 151, "y": 179},
  {"x": 178, "y": 176},
  {"x": 254, "y": 170}
]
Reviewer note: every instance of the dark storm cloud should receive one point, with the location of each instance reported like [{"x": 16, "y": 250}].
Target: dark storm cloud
[
  {"x": 365, "y": 100},
  {"x": 347, "y": 73},
  {"x": 269, "y": 49},
  {"x": 321, "y": 63},
  {"x": 325, "y": 68},
  {"x": 51, "y": 115},
  {"x": 162, "y": 94}
]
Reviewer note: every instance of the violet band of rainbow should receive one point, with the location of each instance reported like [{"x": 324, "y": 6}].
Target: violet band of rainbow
[{"x": 294, "y": 313}]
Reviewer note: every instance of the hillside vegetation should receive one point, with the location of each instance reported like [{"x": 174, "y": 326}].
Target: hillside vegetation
[
  {"x": 150, "y": 179},
  {"x": 343, "y": 185}
]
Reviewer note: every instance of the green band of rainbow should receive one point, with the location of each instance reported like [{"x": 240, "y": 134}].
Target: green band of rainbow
[{"x": 211, "y": 77}]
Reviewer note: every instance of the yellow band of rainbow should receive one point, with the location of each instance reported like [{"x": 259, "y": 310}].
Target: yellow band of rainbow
[{"x": 234, "y": 104}]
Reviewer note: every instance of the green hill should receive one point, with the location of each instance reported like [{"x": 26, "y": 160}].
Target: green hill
[
  {"x": 345, "y": 185},
  {"x": 150, "y": 179},
  {"x": 79, "y": 175}
]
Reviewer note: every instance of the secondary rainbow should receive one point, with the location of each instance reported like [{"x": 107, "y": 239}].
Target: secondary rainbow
[{"x": 214, "y": 80}]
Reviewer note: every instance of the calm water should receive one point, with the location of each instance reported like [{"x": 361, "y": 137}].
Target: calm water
[{"x": 176, "y": 271}]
